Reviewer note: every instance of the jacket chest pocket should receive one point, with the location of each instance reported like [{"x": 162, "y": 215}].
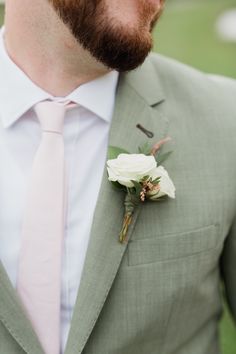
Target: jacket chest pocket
[{"x": 173, "y": 246}]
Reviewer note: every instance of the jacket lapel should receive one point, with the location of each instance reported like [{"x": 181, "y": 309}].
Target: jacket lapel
[
  {"x": 136, "y": 94},
  {"x": 13, "y": 317}
]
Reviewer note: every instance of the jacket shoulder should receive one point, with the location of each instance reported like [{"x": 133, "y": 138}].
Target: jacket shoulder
[
  {"x": 176, "y": 74},
  {"x": 189, "y": 86}
]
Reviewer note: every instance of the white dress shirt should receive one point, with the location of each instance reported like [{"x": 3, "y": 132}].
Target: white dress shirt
[{"x": 86, "y": 138}]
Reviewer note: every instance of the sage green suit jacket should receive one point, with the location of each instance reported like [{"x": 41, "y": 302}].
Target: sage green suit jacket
[{"x": 161, "y": 292}]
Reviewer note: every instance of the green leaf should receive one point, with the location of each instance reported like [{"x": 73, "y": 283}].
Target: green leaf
[
  {"x": 134, "y": 195},
  {"x": 145, "y": 178},
  {"x": 114, "y": 151},
  {"x": 156, "y": 180},
  {"x": 145, "y": 149},
  {"x": 117, "y": 185},
  {"x": 160, "y": 199},
  {"x": 137, "y": 187},
  {"x": 163, "y": 157}
]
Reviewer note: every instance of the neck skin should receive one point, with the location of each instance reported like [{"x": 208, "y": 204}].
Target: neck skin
[{"x": 43, "y": 47}]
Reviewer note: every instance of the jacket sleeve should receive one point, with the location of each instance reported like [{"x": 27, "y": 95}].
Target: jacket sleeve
[{"x": 228, "y": 268}]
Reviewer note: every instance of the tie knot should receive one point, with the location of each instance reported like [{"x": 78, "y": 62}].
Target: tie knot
[{"x": 51, "y": 116}]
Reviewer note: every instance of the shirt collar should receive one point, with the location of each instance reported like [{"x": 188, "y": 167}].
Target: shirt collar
[
  {"x": 98, "y": 96},
  {"x": 18, "y": 93}
]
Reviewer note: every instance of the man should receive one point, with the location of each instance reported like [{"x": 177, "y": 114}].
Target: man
[{"x": 159, "y": 292}]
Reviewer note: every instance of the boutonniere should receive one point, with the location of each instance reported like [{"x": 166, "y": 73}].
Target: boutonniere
[{"x": 141, "y": 176}]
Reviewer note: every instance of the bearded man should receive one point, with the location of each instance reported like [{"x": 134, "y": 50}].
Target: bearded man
[{"x": 68, "y": 91}]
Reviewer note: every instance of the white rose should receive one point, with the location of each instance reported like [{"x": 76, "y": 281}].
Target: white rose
[
  {"x": 128, "y": 167},
  {"x": 166, "y": 185}
]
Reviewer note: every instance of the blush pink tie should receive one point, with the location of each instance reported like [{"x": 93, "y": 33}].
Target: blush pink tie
[{"x": 39, "y": 281}]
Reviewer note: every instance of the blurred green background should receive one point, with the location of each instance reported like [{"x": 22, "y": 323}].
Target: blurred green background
[{"x": 187, "y": 32}]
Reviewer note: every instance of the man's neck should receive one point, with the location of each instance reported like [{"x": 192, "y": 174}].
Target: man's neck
[{"x": 42, "y": 46}]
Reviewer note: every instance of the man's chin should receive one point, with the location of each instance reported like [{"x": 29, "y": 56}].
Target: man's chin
[
  {"x": 118, "y": 49},
  {"x": 123, "y": 59}
]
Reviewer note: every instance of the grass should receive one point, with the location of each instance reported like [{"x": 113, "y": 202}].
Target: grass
[
  {"x": 1, "y": 14},
  {"x": 187, "y": 32},
  {"x": 228, "y": 333}
]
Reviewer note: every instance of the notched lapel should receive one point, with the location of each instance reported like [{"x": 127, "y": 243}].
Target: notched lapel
[
  {"x": 14, "y": 319},
  {"x": 105, "y": 253}
]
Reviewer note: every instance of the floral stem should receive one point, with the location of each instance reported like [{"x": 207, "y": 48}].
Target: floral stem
[
  {"x": 130, "y": 203},
  {"x": 158, "y": 145},
  {"x": 126, "y": 222}
]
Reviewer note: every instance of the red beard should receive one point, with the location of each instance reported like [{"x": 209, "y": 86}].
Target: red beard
[{"x": 110, "y": 42}]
